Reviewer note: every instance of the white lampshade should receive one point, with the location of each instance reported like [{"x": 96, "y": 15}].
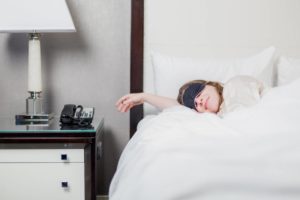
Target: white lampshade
[{"x": 30, "y": 16}]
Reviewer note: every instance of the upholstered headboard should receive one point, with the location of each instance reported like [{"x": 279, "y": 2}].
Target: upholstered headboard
[{"x": 207, "y": 29}]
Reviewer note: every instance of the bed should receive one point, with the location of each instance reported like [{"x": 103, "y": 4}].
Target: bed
[{"x": 250, "y": 153}]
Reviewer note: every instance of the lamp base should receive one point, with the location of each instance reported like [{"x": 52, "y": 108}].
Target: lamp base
[
  {"x": 34, "y": 111},
  {"x": 25, "y": 118}
]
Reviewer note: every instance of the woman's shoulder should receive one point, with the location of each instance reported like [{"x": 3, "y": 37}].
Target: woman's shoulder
[{"x": 242, "y": 91}]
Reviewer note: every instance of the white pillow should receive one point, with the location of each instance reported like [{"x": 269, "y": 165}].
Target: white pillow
[
  {"x": 170, "y": 73},
  {"x": 288, "y": 70}
]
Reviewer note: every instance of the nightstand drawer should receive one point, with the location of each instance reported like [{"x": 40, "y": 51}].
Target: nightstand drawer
[
  {"x": 37, "y": 181},
  {"x": 41, "y": 155}
]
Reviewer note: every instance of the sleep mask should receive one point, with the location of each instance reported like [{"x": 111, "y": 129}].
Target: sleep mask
[{"x": 190, "y": 94}]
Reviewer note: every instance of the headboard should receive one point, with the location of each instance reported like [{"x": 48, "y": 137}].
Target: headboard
[
  {"x": 136, "y": 59},
  {"x": 207, "y": 29}
]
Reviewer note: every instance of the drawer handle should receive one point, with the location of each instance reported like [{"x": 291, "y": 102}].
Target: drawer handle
[
  {"x": 64, "y": 184},
  {"x": 64, "y": 157}
]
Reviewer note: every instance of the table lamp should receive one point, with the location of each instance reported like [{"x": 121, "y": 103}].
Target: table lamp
[{"x": 35, "y": 17}]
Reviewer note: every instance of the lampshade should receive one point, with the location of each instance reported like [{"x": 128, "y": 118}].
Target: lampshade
[{"x": 30, "y": 16}]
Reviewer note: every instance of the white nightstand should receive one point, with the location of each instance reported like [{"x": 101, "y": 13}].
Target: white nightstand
[{"x": 45, "y": 162}]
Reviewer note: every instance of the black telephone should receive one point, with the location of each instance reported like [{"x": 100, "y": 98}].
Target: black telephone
[{"x": 76, "y": 115}]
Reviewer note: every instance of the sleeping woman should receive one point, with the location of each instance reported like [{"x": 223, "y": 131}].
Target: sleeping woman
[{"x": 203, "y": 96}]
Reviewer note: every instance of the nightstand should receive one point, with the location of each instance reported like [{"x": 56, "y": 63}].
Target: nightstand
[{"x": 47, "y": 162}]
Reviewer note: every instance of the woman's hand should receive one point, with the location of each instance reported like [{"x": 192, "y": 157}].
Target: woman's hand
[{"x": 128, "y": 101}]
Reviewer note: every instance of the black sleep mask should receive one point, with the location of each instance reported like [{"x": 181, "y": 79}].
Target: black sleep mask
[{"x": 190, "y": 94}]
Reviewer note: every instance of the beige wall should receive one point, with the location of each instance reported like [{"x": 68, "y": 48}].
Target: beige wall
[{"x": 90, "y": 67}]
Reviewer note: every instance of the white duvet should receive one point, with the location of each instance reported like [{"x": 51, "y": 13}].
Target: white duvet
[{"x": 251, "y": 153}]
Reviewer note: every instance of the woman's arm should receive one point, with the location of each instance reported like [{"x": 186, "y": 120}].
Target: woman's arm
[{"x": 128, "y": 101}]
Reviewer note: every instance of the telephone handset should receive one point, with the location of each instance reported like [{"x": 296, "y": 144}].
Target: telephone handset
[{"x": 76, "y": 115}]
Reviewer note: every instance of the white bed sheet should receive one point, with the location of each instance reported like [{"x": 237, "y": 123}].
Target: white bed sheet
[{"x": 252, "y": 153}]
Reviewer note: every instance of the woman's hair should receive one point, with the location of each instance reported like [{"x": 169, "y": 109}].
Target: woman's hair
[{"x": 217, "y": 85}]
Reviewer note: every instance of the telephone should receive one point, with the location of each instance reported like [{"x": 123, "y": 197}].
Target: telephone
[{"x": 76, "y": 115}]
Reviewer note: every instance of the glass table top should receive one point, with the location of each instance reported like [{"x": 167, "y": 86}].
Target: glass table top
[{"x": 8, "y": 124}]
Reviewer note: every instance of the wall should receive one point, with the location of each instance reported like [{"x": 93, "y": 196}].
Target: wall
[{"x": 89, "y": 67}]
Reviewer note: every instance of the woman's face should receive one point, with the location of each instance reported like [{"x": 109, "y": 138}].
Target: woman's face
[{"x": 208, "y": 100}]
